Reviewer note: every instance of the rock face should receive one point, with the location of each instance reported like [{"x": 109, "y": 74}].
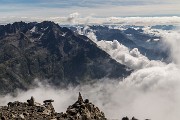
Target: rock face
[
  {"x": 84, "y": 110},
  {"x": 47, "y": 51},
  {"x": 25, "y": 111},
  {"x": 80, "y": 110}
]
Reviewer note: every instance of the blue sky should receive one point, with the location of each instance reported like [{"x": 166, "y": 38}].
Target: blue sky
[{"x": 98, "y": 8}]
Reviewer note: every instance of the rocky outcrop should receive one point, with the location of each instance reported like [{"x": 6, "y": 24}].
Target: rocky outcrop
[
  {"x": 84, "y": 110},
  {"x": 30, "y": 110},
  {"x": 47, "y": 51},
  {"x": 24, "y": 111}
]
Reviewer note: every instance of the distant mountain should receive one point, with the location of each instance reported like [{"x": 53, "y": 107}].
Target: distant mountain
[
  {"x": 164, "y": 27},
  {"x": 47, "y": 51},
  {"x": 148, "y": 45}
]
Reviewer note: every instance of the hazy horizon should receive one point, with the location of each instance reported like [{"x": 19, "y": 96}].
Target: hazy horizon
[{"x": 100, "y": 8}]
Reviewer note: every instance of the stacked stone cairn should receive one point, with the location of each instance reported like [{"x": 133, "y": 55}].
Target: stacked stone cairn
[
  {"x": 83, "y": 110},
  {"x": 30, "y": 110}
]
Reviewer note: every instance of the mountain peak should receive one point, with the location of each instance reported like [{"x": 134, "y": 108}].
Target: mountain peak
[{"x": 47, "y": 51}]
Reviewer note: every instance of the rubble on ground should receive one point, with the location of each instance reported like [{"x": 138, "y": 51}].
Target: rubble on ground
[{"x": 30, "y": 110}]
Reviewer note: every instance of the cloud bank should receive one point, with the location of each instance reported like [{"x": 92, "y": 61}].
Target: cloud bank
[
  {"x": 151, "y": 91},
  {"x": 77, "y": 19}
]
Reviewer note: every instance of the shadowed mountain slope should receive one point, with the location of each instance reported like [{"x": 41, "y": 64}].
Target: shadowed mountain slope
[{"x": 47, "y": 51}]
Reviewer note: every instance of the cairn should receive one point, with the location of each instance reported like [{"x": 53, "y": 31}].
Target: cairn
[
  {"x": 30, "y": 110},
  {"x": 31, "y": 101},
  {"x": 48, "y": 104},
  {"x": 83, "y": 110},
  {"x": 80, "y": 99}
]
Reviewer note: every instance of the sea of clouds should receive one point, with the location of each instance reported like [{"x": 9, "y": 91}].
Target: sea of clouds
[
  {"x": 151, "y": 91},
  {"x": 76, "y": 19}
]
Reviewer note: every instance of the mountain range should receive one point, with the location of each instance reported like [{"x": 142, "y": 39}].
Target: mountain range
[
  {"x": 132, "y": 37},
  {"x": 49, "y": 52}
]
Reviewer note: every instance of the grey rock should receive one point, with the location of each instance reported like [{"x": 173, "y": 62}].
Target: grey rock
[
  {"x": 51, "y": 52},
  {"x": 26, "y": 111}
]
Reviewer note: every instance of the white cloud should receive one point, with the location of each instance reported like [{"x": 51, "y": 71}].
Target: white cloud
[
  {"x": 131, "y": 58},
  {"x": 151, "y": 91},
  {"x": 148, "y": 93},
  {"x": 100, "y": 8},
  {"x": 73, "y": 17},
  {"x": 76, "y": 18},
  {"x": 170, "y": 38}
]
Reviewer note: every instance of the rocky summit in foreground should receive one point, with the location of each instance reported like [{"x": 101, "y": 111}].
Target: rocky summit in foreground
[{"x": 30, "y": 110}]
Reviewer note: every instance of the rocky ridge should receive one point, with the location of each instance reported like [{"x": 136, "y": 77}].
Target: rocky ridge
[
  {"x": 49, "y": 52},
  {"x": 129, "y": 37},
  {"x": 30, "y": 110}
]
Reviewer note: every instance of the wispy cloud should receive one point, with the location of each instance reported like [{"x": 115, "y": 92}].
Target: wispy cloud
[
  {"x": 99, "y": 8},
  {"x": 90, "y": 3}
]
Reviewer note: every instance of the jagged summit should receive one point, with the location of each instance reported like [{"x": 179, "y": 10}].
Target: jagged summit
[{"x": 47, "y": 51}]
